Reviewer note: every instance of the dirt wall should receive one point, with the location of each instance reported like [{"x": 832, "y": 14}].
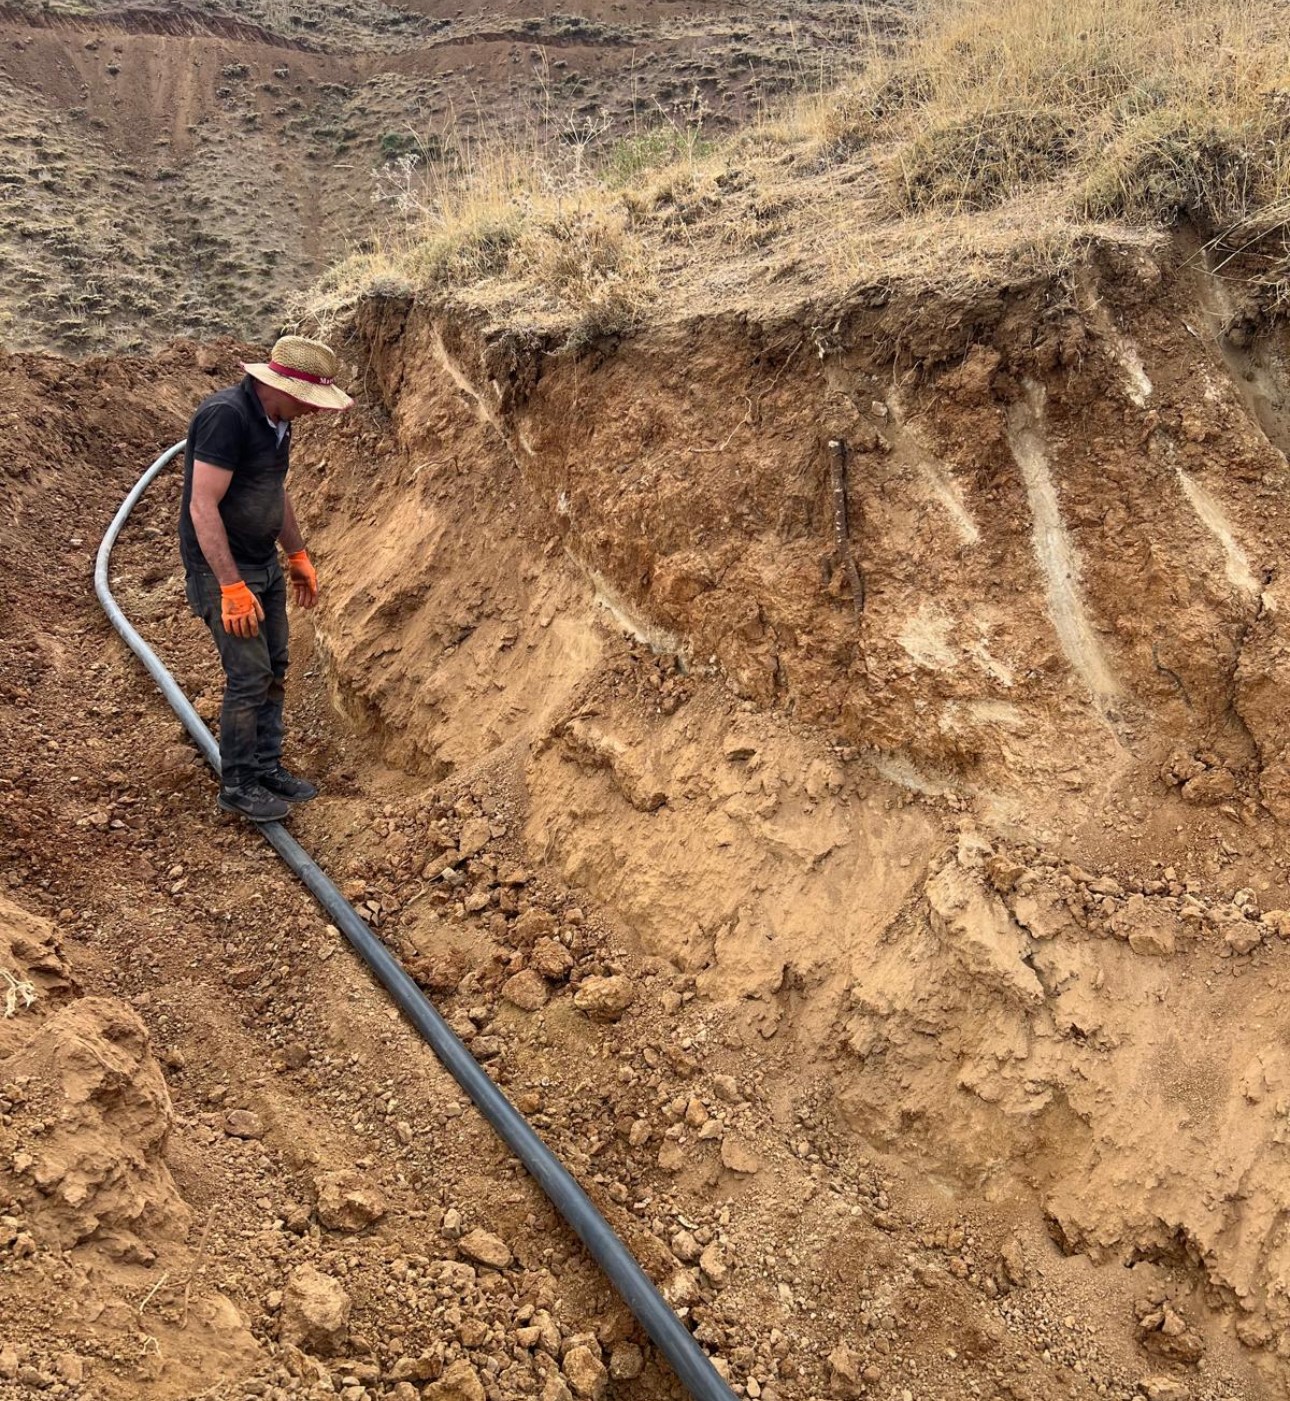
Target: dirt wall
[{"x": 998, "y": 841}]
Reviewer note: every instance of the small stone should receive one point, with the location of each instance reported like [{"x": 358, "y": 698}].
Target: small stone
[
  {"x": 626, "y": 1362},
  {"x": 533, "y": 925},
  {"x": 451, "y": 1226},
  {"x": 459, "y": 1383},
  {"x": 1164, "y": 1389},
  {"x": 585, "y": 1373},
  {"x": 551, "y": 959},
  {"x": 1153, "y": 940},
  {"x": 473, "y": 1333},
  {"x": 346, "y": 1202},
  {"x": 1243, "y": 937},
  {"x": 8, "y": 1362},
  {"x": 1278, "y": 922},
  {"x": 315, "y": 1312},
  {"x": 1211, "y": 788},
  {"x": 296, "y": 1056},
  {"x": 738, "y": 1158},
  {"x": 475, "y": 836},
  {"x": 1012, "y": 1261},
  {"x": 526, "y": 990},
  {"x": 555, "y": 1388},
  {"x": 242, "y": 1123},
  {"x": 713, "y": 1264},
  {"x": 70, "y": 1368},
  {"x": 844, "y": 1373},
  {"x": 726, "y": 1087},
  {"x": 685, "y": 1247},
  {"x": 605, "y": 999},
  {"x": 671, "y": 1157},
  {"x": 486, "y": 1249}
]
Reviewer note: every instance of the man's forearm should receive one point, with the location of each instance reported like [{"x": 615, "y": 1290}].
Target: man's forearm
[
  {"x": 289, "y": 537},
  {"x": 213, "y": 539}
]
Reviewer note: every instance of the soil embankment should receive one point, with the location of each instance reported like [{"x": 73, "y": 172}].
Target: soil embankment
[{"x": 999, "y": 853}]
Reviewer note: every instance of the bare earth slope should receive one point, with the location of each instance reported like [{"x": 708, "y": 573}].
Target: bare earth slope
[{"x": 1047, "y": 963}]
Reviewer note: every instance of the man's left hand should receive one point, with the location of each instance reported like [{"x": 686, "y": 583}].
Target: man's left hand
[{"x": 304, "y": 579}]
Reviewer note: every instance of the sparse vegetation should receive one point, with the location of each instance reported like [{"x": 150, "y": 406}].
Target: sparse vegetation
[
  {"x": 996, "y": 138},
  {"x": 557, "y": 242},
  {"x": 1148, "y": 108}
]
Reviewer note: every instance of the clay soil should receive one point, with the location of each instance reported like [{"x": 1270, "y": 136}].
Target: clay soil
[{"x": 885, "y": 1074}]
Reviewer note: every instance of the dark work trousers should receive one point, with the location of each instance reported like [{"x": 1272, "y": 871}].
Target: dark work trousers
[{"x": 255, "y": 668}]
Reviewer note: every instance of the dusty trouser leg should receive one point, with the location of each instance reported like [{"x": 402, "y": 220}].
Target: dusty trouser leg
[
  {"x": 269, "y": 723},
  {"x": 248, "y": 677}
]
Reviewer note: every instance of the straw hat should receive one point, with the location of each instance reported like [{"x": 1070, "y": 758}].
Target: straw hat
[{"x": 304, "y": 369}]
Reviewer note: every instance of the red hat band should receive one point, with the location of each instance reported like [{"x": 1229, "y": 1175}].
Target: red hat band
[{"x": 290, "y": 372}]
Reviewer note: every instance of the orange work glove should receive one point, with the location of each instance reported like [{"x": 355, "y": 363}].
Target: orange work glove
[
  {"x": 241, "y": 611},
  {"x": 304, "y": 579}
]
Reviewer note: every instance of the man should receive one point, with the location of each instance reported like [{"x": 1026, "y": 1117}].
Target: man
[{"x": 235, "y": 513}]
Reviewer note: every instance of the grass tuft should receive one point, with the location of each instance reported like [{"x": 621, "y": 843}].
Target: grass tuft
[
  {"x": 1150, "y": 108},
  {"x": 993, "y": 139}
]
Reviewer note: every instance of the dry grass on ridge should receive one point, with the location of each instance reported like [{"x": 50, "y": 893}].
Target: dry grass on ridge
[{"x": 1002, "y": 135}]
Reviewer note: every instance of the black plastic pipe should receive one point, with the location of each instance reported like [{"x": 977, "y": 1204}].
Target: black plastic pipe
[{"x": 669, "y": 1334}]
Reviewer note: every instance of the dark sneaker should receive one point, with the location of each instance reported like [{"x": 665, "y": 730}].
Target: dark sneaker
[
  {"x": 255, "y": 803},
  {"x": 287, "y": 785}
]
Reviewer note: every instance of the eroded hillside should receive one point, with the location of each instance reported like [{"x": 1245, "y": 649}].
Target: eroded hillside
[{"x": 189, "y": 170}]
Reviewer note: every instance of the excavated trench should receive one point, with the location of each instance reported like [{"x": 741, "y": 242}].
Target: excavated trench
[
  {"x": 1002, "y": 854},
  {"x": 904, "y": 984}
]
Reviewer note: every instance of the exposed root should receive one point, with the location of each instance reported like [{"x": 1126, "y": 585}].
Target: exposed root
[
  {"x": 19, "y": 990},
  {"x": 841, "y": 526}
]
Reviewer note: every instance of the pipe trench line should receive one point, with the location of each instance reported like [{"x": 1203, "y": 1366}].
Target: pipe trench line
[{"x": 692, "y": 1365}]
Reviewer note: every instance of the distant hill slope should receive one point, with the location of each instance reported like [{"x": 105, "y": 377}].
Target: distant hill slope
[{"x": 186, "y": 169}]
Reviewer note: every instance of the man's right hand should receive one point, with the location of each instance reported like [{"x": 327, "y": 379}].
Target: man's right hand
[{"x": 241, "y": 612}]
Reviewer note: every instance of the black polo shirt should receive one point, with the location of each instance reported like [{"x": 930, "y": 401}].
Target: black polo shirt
[{"x": 230, "y": 429}]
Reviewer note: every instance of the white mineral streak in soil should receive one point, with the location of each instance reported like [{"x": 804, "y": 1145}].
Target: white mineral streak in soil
[
  {"x": 657, "y": 639},
  {"x": 926, "y": 639},
  {"x": 935, "y": 475},
  {"x": 946, "y": 490},
  {"x": 1235, "y": 561},
  {"x": 455, "y": 373},
  {"x": 1123, "y": 351},
  {"x": 1053, "y": 549},
  {"x": 1126, "y": 353}
]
